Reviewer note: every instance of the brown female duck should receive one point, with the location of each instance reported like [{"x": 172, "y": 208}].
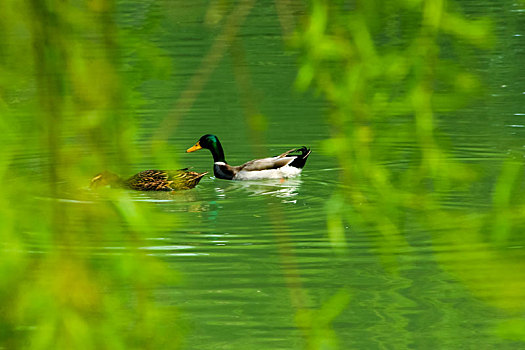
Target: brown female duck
[{"x": 151, "y": 180}]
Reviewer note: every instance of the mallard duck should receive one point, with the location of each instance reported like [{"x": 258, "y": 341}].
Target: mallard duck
[
  {"x": 151, "y": 180},
  {"x": 282, "y": 166}
]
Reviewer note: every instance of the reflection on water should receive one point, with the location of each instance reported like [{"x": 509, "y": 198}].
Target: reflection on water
[{"x": 285, "y": 188}]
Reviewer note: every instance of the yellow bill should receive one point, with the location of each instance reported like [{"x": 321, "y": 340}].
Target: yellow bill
[{"x": 194, "y": 148}]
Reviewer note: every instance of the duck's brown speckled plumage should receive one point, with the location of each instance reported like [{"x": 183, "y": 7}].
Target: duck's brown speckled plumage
[
  {"x": 160, "y": 180},
  {"x": 151, "y": 180}
]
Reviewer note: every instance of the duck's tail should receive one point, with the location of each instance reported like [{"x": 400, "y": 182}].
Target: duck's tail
[
  {"x": 300, "y": 159},
  {"x": 187, "y": 179}
]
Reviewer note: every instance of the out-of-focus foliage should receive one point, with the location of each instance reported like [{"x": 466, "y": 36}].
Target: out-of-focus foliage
[
  {"x": 392, "y": 70},
  {"x": 66, "y": 279}
]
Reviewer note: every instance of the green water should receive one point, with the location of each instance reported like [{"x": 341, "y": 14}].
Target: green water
[{"x": 254, "y": 263}]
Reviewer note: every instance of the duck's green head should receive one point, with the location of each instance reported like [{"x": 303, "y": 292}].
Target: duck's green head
[
  {"x": 212, "y": 143},
  {"x": 207, "y": 141}
]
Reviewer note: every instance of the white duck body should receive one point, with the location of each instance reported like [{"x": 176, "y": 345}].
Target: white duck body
[{"x": 261, "y": 169}]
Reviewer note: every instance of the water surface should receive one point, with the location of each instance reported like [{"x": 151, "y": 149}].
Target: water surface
[{"x": 253, "y": 256}]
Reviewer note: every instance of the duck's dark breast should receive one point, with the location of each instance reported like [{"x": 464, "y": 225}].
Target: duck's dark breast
[{"x": 223, "y": 172}]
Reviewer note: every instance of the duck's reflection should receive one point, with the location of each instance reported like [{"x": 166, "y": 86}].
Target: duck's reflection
[{"x": 282, "y": 188}]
